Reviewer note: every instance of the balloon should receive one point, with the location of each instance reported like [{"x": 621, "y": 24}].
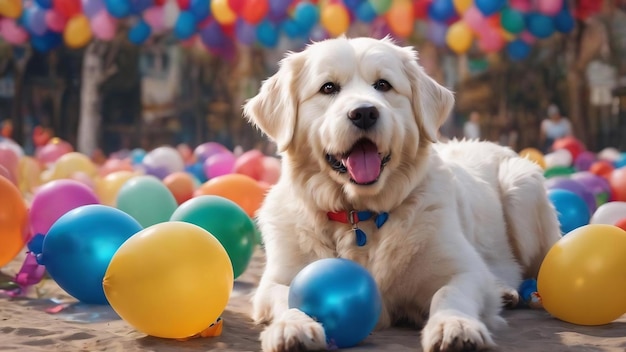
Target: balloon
[
  {"x": 245, "y": 32},
  {"x": 68, "y": 8},
  {"x": 13, "y": 221},
  {"x": 163, "y": 161},
  {"x": 108, "y": 187},
  {"x": 335, "y": 19},
  {"x": 250, "y": 164},
  {"x": 489, "y": 7},
  {"x": 306, "y": 15},
  {"x": 241, "y": 189},
  {"x": 204, "y": 151},
  {"x": 549, "y": 7},
  {"x": 46, "y": 42},
  {"x": 341, "y": 295},
  {"x": 400, "y": 18},
  {"x": 609, "y": 154},
  {"x": 92, "y": 7},
  {"x": 213, "y": 36},
  {"x": 617, "y": 179},
  {"x": 146, "y": 199},
  {"x": 518, "y": 50},
  {"x": 534, "y": 155},
  {"x": 571, "y": 209},
  {"x": 474, "y": 19},
  {"x": 459, "y": 37},
  {"x": 255, "y": 11},
  {"x": 171, "y": 280},
  {"x": 12, "y": 32},
  {"x": 609, "y": 213},
  {"x": 571, "y": 144},
  {"x": 564, "y": 21},
  {"x": 200, "y": 9},
  {"x": 34, "y": 19},
  {"x": 575, "y": 187},
  {"x": 366, "y": 12},
  {"x": 181, "y": 185},
  {"x": 597, "y": 185},
  {"x": 10, "y": 161},
  {"x": 512, "y": 21},
  {"x": 118, "y": 8},
  {"x": 219, "y": 164},
  {"x": 54, "y": 199},
  {"x": 70, "y": 163},
  {"x": 30, "y": 172},
  {"x": 584, "y": 160},
  {"x": 490, "y": 40},
  {"x": 79, "y": 246},
  {"x": 52, "y": 151},
  {"x": 10, "y": 9},
  {"x": 185, "y": 26},
  {"x": 559, "y": 157},
  {"x": 602, "y": 168},
  {"x": 441, "y": 10},
  {"x": 461, "y": 5},
  {"x": 225, "y": 220},
  {"x": 139, "y": 33},
  {"x": 541, "y": 26},
  {"x": 77, "y": 32},
  {"x": 155, "y": 17},
  {"x": 621, "y": 224},
  {"x": 267, "y": 34},
  {"x": 222, "y": 13},
  {"x": 55, "y": 21},
  {"x": 581, "y": 280},
  {"x": 437, "y": 32}
]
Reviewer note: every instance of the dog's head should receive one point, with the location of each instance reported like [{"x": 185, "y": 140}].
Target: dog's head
[{"x": 355, "y": 111}]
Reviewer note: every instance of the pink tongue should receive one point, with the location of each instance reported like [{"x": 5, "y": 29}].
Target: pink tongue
[{"x": 363, "y": 163}]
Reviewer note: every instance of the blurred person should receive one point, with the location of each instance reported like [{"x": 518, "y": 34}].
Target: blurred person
[
  {"x": 471, "y": 128},
  {"x": 555, "y": 126}
]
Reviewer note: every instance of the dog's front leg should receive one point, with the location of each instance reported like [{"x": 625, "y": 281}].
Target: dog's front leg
[
  {"x": 455, "y": 315},
  {"x": 289, "y": 329}
]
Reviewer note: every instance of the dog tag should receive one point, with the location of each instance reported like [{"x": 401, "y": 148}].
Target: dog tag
[{"x": 361, "y": 238}]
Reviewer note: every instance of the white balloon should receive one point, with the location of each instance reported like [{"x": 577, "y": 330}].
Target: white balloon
[
  {"x": 17, "y": 149},
  {"x": 165, "y": 158},
  {"x": 560, "y": 157},
  {"x": 609, "y": 213},
  {"x": 609, "y": 154}
]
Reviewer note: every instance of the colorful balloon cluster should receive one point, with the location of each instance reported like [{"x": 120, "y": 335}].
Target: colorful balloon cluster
[{"x": 494, "y": 24}]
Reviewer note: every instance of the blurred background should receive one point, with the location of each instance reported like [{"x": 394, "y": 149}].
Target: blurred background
[{"x": 111, "y": 75}]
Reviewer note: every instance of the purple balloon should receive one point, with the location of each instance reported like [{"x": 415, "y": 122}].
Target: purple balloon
[
  {"x": 36, "y": 20},
  {"x": 92, "y": 7},
  {"x": 205, "y": 150},
  {"x": 213, "y": 36},
  {"x": 54, "y": 199},
  {"x": 584, "y": 161},
  {"x": 219, "y": 164},
  {"x": 597, "y": 185},
  {"x": 245, "y": 32},
  {"x": 437, "y": 32},
  {"x": 575, "y": 187}
]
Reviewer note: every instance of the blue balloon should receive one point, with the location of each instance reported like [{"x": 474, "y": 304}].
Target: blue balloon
[
  {"x": 46, "y": 42},
  {"x": 620, "y": 162},
  {"x": 44, "y": 4},
  {"x": 564, "y": 21},
  {"x": 137, "y": 155},
  {"x": 306, "y": 16},
  {"x": 118, "y": 8},
  {"x": 441, "y": 10},
  {"x": 518, "y": 49},
  {"x": 353, "y": 4},
  {"x": 366, "y": 12},
  {"x": 200, "y": 9},
  {"x": 185, "y": 25},
  {"x": 80, "y": 245},
  {"x": 197, "y": 170},
  {"x": 291, "y": 28},
  {"x": 213, "y": 36},
  {"x": 139, "y": 33},
  {"x": 267, "y": 34},
  {"x": 539, "y": 25},
  {"x": 341, "y": 295},
  {"x": 489, "y": 7},
  {"x": 137, "y": 7},
  {"x": 572, "y": 211}
]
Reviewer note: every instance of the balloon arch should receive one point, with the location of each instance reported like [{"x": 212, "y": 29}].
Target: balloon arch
[{"x": 487, "y": 25}]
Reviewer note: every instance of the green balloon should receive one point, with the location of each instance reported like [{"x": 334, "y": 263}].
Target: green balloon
[
  {"x": 558, "y": 171},
  {"x": 146, "y": 199},
  {"x": 225, "y": 220},
  {"x": 512, "y": 21}
]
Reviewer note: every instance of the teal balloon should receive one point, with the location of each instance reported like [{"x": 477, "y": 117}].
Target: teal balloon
[
  {"x": 146, "y": 199},
  {"x": 341, "y": 295},
  {"x": 512, "y": 20},
  {"x": 571, "y": 209},
  {"x": 79, "y": 246},
  {"x": 225, "y": 220}
]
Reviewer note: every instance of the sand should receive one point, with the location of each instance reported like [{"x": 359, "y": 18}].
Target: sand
[{"x": 26, "y": 325}]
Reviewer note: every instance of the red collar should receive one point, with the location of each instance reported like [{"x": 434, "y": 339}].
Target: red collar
[{"x": 353, "y": 217}]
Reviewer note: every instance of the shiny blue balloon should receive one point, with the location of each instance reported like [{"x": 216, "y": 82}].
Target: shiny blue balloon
[
  {"x": 139, "y": 33},
  {"x": 564, "y": 21},
  {"x": 539, "y": 25},
  {"x": 306, "y": 15},
  {"x": 518, "y": 49},
  {"x": 441, "y": 10},
  {"x": 366, "y": 12},
  {"x": 267, "y": 34},
  {"x": 80, "y": 245},
  {"x": 572, "y": 211},
  {"x": 489, "y": 7},
  {"x": 185, "y": 25},
  {"x": 341, "y": 295},
  {"x": 118, "y": 8}
]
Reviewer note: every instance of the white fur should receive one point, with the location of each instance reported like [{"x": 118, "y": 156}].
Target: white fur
[{"x": 467, "y": 220}]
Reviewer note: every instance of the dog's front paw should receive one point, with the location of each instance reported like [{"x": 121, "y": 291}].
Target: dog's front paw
[
  {"x": 450, "y": 333},
  {"x": 293, "y": 331}
]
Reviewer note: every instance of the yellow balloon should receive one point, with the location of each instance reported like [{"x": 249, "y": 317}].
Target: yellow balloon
[
  {"x": 170, "y": 280},
  {"x": 77, "y": 32},
  {"x": 30, "y": 172},
  {"x": 533, "y": 155},
  {"x": 69, "y": 164},
  {"x": 11, "y": 8},
  {"x": 335, "y": 19},
  {"x": 582, "y": 279},
  {"x": 222, "y": 12},
  {"x": 462, "y": 5},
  {"x": 108, "y": 187},
  {"x": 459, "y": 37}
]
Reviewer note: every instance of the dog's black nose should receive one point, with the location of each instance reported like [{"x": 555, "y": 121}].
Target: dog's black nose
[{"x": 364, "y": 117}]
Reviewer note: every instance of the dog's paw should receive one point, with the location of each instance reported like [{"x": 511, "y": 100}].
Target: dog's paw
[
  {"x": 454, "y": 333},
  {"x": 294, "y": 332},
  {"x": 510, "y": 297}
]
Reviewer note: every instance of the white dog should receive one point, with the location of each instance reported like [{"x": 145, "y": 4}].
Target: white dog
[{"x": 356, "y": 122}]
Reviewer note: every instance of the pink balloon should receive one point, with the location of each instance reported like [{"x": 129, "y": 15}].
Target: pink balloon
[
  {"x": 55, "y": 21},
  {"x": 10, "y": 161},
  {"x": 205, "y": 150},
  {"x": 54, "y": 199},
  {"x": 103, "y": 25},
  {"x": 491, "y": 40},
  {"x": 155, "y": 17},
  {"x": 6, "y": 174},
  {"x": 250, "y": 163},
  {"x": 271, "y": 170},
  {"x": 521, "y": 5},
  {"x": 550, "y": 7},
  {"x": 113, "y": 165},
  {"x": 527, "y": 37},
  {"x": 84, "y": 179},
  {"x": 474, "y": 19},
  {"x": 12, "y": 32},
  {"x": 219, "y": 164},
  {"x": 49, "y": 153}
]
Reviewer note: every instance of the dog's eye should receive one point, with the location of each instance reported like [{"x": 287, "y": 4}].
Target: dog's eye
[
  {"x": 382, "y": 85},
  {"x": 329, "y": 88}
]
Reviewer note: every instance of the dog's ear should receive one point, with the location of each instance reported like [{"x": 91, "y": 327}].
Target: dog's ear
[
  {"x": 432, "y": 103},
  {"x": 274, "y": 109}
]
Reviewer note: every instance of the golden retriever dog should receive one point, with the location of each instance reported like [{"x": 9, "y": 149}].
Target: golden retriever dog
[{"x": 453, "y": 228}]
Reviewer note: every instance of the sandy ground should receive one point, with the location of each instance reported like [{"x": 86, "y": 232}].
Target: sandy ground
[{"x": 25, "y": 325}]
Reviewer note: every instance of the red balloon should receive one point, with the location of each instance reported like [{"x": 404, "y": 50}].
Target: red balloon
[
  {"x": 617, "y": 179},
  {"x": 420, "y": 9},
  {"x": 573, "y": 145},
  {"x": 621, "y": 224},
  {"x": 183, "y": 4},
  {"x": 602, "y": 168},
  {"x": 68, "y": 8},
  {"x": 255, "y": 11},
  {"x": 237, "y": 5},
  {"x": 159, "y": 2},
  {"x": 250, "y": 164}
]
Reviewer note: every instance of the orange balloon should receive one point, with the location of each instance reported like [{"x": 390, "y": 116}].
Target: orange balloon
[
  {"x": 181, "y": 185},
  {"x": 13, "y": 221},
  {"x": 241, "y": 189},
  {"x": 400, "y": 18},
  {"x": 602, "y": 168}
]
